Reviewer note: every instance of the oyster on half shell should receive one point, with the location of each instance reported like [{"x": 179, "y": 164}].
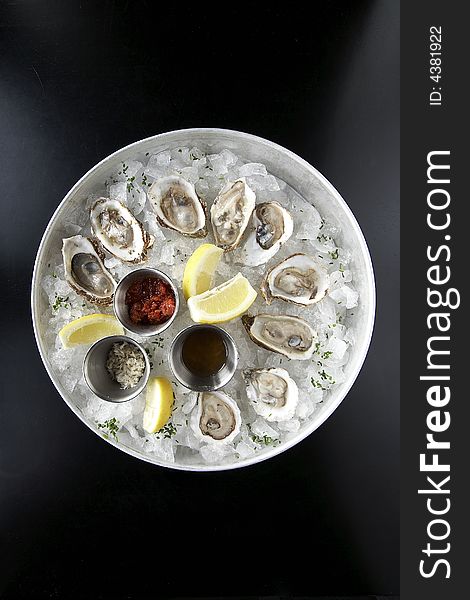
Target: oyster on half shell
[
  {"x": 119, "y": 231},
  {"x": 291, "y": 336},
  {"x": 178, "y": 206},
  {"x": 85, "y": 271},
  {"x": 216, "y": 418},
  {"x": 272, "y": 392},
  {"x": 298, "y": 278},
  {"x": 230, "y": 213},
  {"x": 272, "y": 226}
]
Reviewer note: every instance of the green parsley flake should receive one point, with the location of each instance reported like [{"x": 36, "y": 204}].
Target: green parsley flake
[
  {"x": 168, "y": 431},
  {"x": 111, "y": 426},
  {"x": 334, "y": 254},
  {"x": 59, "y": 301}
]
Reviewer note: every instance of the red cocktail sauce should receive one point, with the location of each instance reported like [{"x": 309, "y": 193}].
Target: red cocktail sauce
[{"x": 151, "y": 301}]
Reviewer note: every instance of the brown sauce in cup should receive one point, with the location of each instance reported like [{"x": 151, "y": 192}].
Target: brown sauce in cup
[{"x": 204, "y": 352}]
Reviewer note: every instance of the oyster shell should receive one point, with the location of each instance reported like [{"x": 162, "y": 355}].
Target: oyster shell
[
  {"x": 230, "y": 213},
  {"x": 298, "y": 278},
  {"x": 119, "y": 231},
  {"x": 178, "y": 206},
  {"x": 272, "y": 392},
  {"x": 216, "y": 418},
  {"x": 272, "y": 225},
  {"x": 291, "y": 336},
  {"x": 85, "y": 271}
]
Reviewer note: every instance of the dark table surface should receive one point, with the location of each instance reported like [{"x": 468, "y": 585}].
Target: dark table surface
[{"x": 79, "y": 80}]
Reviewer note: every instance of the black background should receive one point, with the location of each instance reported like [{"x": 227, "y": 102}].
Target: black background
[{"x": 79, "y": 80}]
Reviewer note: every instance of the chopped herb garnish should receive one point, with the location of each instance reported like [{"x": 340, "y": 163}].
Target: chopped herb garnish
[
  {"x": 112, "y": 427},
  {"x": 159, "y": 342},
  {"x": 334, "y": 254},
  {"x": 327, "y": 354},
  {"x": 266, "y": 440},
  {"x": 59, "y": 301},
  {"x": 317, "y": 384},
  {"x": 326, "y": 376},
  {"x": 130, "y": 183},
  {"x": 168, "y": 430}
]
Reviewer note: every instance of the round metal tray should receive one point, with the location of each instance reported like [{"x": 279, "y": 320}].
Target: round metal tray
[{"x": 282, "y": 163}]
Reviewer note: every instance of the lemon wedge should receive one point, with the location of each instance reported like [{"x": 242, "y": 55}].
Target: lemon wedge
[
  {"x": 200, "y": 269},
  {"x": 89, "y": 329},
  {"x": 224, "y": 302},
  {"x": 158, "y": 404}
]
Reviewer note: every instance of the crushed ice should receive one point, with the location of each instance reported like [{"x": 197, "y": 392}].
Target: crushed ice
[{"x": 128, "y": 184}]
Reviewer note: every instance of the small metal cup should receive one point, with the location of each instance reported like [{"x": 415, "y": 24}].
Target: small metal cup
[
  {"x": 99, "y": 380},
  {"x": 203, "y": 384},
  {"x": 121, "y": 309}
]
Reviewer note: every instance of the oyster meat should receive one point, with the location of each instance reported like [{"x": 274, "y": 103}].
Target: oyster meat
[
  {"x": 119, "y": 231},
  {"x": 230, "y": 213},
  {"x": 85, "y": 271},
  {"x": 272, "y": 392},
  {"x": 299, "y": 279},
  {"x": 291, "y": 336},
  {"x": 272, "y": 226},
  {"x": 215, "y": 418},
  {"x": 178, "y": 206}
]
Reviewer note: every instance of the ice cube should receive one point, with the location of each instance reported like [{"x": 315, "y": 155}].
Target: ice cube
[
  {"x": 245, "y": 450},
  {"x": 228, "y": 157},
  {"x": 345, "y": 296},
  {"x": 118, "y": 191},
  {"x": 136, "y": 198},
  {"x": 218, "y": 164},
  {"x": 162, "y": 159},
  {"x": 260, "y": 182},
  {"x": 216, "y": 453},
  {"x": 249, "y": 169},
  {"x": 261, "y": 429}
]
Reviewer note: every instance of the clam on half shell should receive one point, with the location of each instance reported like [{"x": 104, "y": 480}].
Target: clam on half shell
[
  {"x": 85, "y": 271},
  {"x": 216, "y": 418},
  {"x": 272, "y": 392},
  {"x": 291, "y": 336},
  {"x": 177, "y": 206},
  {"x": 231, "y": 212},
  {"x": 298, "y": 278},
  {"x": 120, "y": 233}
]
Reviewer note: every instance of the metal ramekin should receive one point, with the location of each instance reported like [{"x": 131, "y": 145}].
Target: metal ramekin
[
  {"x": 99, "y": 380},
  {"x": 122, "y": 312},
  {"x": 202, "y": 384}
]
